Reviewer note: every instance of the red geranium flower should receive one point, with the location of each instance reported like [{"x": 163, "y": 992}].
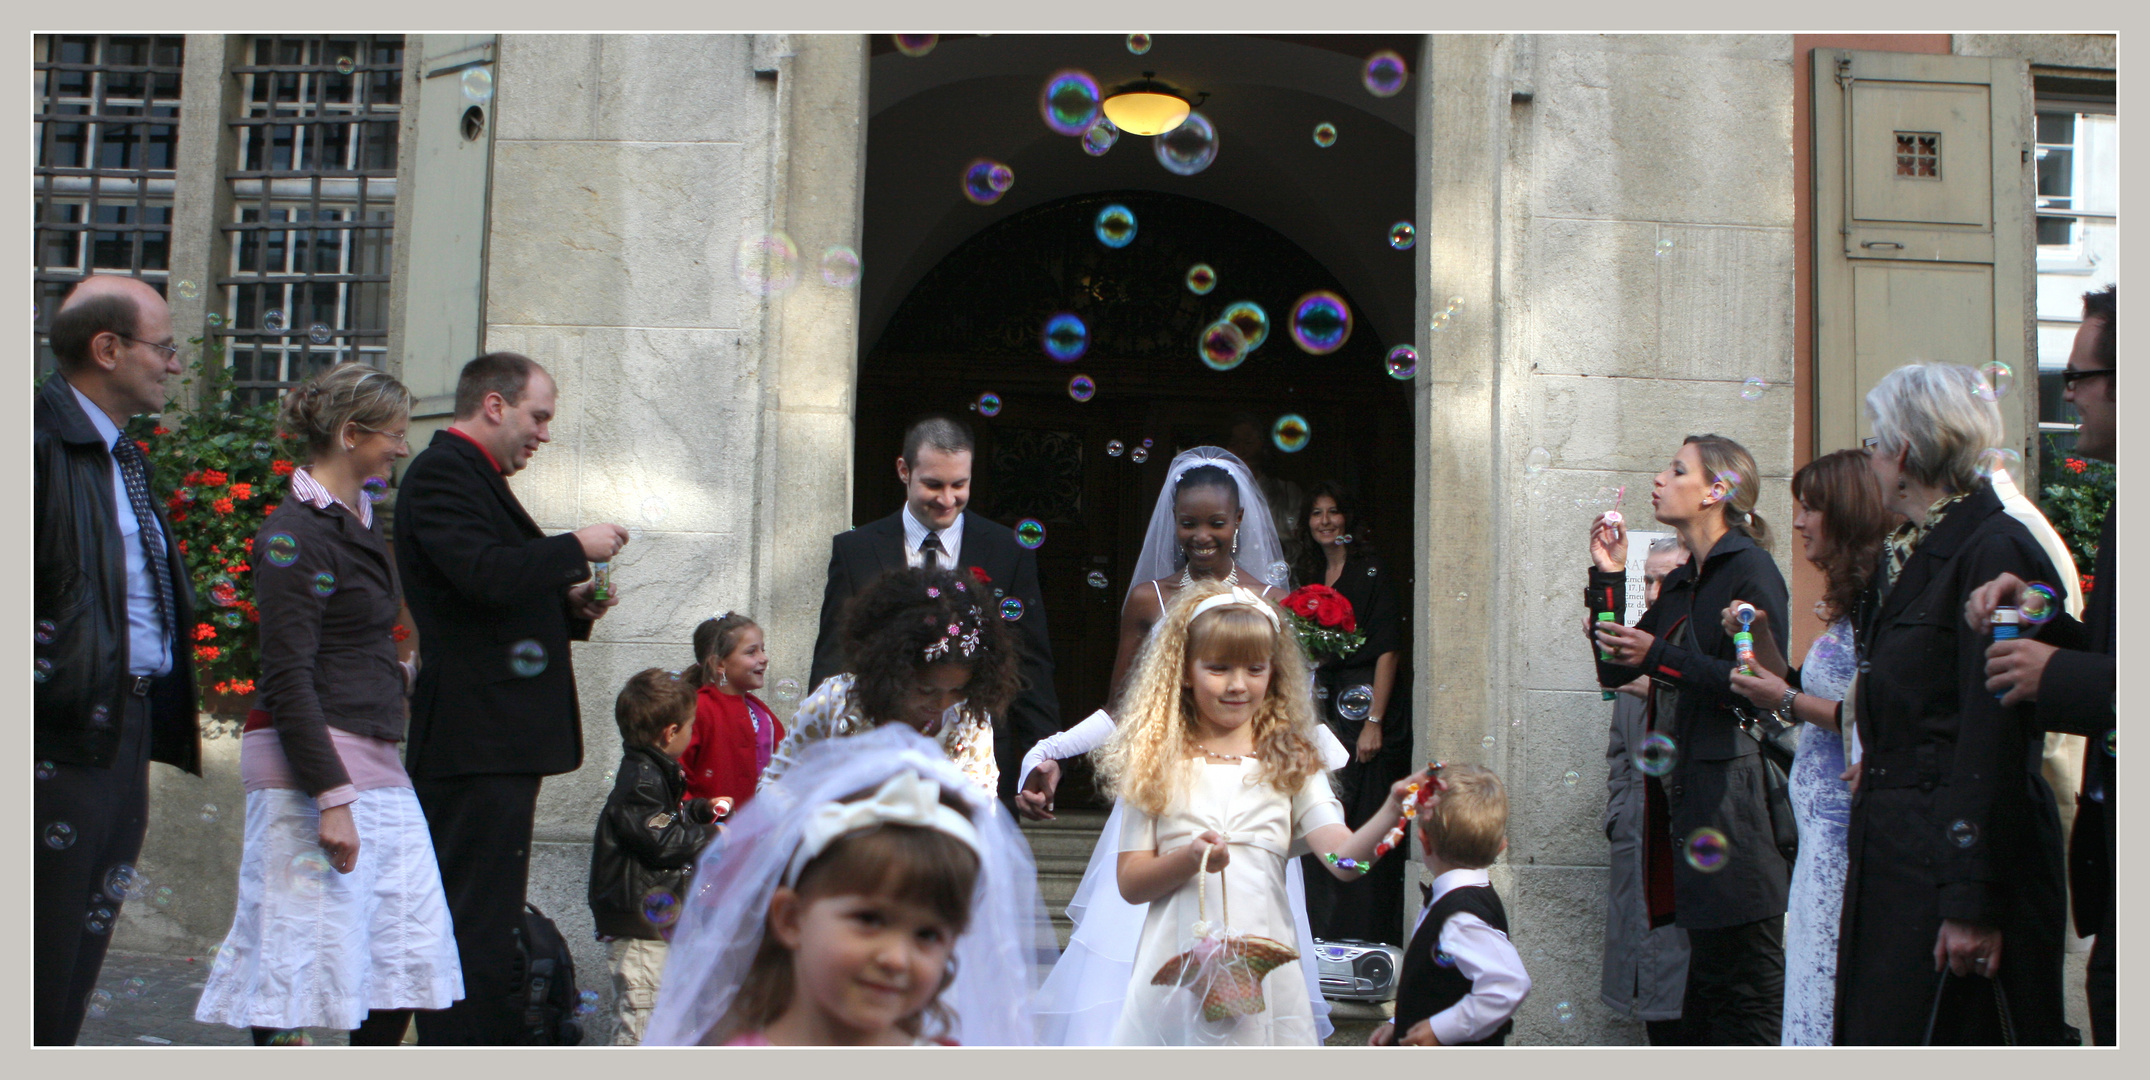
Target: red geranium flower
[
  {"x": 182, "y": 547},
  {"x": 214, "y": 478},
  {"x": 177, "y": 518},
  {"x": 160, "y": 429},
  {"x": 250, "y": 545},
  {"x": 206, "y": 653},
  {"x": 223, "y": 506},
  {"x": 242, "y": 491},
  {"x": 242, "y": 686},
  {"x": 979, "y": 575},
  {"x": 2088, "y": 581},
  {"x": 280, "y": 467},
  {"x": 204, "y": 631}
]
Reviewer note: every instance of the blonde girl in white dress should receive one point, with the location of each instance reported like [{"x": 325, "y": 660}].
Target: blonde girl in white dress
[{"x": 1215, "y": 766}]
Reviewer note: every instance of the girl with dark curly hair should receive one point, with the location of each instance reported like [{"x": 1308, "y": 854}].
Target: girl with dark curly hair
[{"x": 925, "y": 648}]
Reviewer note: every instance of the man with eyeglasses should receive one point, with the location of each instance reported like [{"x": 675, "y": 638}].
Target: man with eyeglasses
[
  {"x": 113, "y": 689},
  {"x": 2067, "y": 668}
]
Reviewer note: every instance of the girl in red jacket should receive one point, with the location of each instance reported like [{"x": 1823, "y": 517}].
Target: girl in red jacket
[{"x": 734, "y": 732}]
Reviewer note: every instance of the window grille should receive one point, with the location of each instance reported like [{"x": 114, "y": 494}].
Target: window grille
[
  {"x": 107, "y": 127},
  {"x": 313, "y": 207}
]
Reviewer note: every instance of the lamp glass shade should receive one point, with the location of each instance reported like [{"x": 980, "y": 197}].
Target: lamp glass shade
[{"x": 1145, "y": 113}]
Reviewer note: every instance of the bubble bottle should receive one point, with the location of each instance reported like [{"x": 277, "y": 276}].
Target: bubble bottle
[
  {"x": 1743, "y": 641},
  {"x": 1601, "y": 599},
  {"x": 2006, "y": 623},
  {"x": 601, "y": 581}
]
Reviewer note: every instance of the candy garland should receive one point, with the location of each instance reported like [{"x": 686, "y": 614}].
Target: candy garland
[{"x": 1412, "y": 800}]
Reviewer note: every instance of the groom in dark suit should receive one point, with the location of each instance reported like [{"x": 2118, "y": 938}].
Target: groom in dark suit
[
  {"x": 932, "y": 525},
  {"x": 494, "y": 711}
]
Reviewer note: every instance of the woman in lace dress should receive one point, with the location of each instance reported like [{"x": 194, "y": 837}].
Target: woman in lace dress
[
  {"x": 923, "y": 648},
  {"x": 1840, "y": 521}
]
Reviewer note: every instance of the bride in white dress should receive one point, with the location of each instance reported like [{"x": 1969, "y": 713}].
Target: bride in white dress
[{"x": 1210, "y": 523}]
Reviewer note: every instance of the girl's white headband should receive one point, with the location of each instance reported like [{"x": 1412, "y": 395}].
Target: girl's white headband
[
  {"x": 1238, "y": 596},
  {"x": 905, "y": 799}
]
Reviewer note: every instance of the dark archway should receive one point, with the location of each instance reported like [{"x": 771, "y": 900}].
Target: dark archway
[{"x": 972, "y": 325}]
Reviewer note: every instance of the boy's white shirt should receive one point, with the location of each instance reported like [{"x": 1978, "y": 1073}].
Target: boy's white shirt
[{"x": 1485, "y": 956}]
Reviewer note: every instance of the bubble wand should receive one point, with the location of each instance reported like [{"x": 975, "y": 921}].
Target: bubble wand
[{"x": 1605, "y": 613}]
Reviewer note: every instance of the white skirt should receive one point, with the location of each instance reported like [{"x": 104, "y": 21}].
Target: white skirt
[{"x": 310, "y": 947}]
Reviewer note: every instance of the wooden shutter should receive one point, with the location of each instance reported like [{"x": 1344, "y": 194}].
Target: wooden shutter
[
  {"x": 1923, "y": 248},
  {"x": 441, "y": 218}
]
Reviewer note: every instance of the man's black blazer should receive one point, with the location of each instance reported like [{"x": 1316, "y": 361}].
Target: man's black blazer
[
  {"x": 481, "y": 578},
  {"x": 858, "y": 556}
]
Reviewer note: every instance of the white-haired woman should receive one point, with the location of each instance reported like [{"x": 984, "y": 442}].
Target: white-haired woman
[{"x": 1954, "y": 907}]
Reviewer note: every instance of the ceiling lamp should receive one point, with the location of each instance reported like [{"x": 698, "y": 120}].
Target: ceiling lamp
[{"x": 1147, "y": 107}]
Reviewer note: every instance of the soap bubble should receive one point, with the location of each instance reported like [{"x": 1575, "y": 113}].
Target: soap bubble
[
  {"x": 100, "y": 1004},
  {"x": 1731, "y": 479},
  {"x": 526, "y": 658},
  {"x": 1065, "y": 337},
  {"x": 1999, "y": 459},
  {"x": 46, "y": 631},
  {"x": 1962, "y": 833},
  {"x": 1188, "y": 148},
  {"x": 1082, "y": 388},
  {"x": 1325, "y": 135},
  {"x": 840, "y": 266},
  {"x": 324, "y": 584},
  {"x": 163, "y": 897},
  {"x": 2111, "y": 750},
  {"x": 1222, "y": 346},
  {"x": 787, "y": 690},
  {"x": 1442, "y": 959},
  {"x": 1355, "y": 703},
  {"x": 209, "y": 813},
  {"x": 306, "y": 876},
  {"x": 988, "y": 404},
  {"x": 1384, "y": 74},
  {"x": 660, "y": 907},
  {"x": 1115, "y": 448},
  {"x": 767, "y": 263},
  {"x": 59, "y": 836},
  {"x": 134, "y": 987},
  {"x": 101, "y": 716},
  {"x": 273, "y": 321},
  {"x": 1279, "y": 573},
  {"x": 1290, "y": 433},
  {"x": 232, "y": 619},
  {"x": 1571, "y": 778},
  {"x": 214, "y": 318},
  {"x": 2038, "y": 604},
  {"x": 1657, "y": 754},
  {"x": 319, "y": 333},
  {"x": 1321, "y": 692},
  {"x": 262, "y": 450},
  {"x": 477, "y": 85},
  {"x": 1403, "y": 362},
  {"x": 1147, "y": 443},
  {"x": 1320, "y": 322},
  {"x": 124, "y": 883},
  {"x": 99, "y": 920},
  {"x": 1753, "y": 388},
  {"x": 916, "y": 44},
  {"x": 345, "y": 65},
  {"x": 1252, "y": 321},
  {"x": 1707, "y": 850},
  {"x": 1115, "y": 226},
  {"x": 223, "y": 592},
  {"x": 653, "y": 510},
  {"x": 46, "y": 770},
  {"x": 1100, "y": 136},
  {"x": 374, "y": 489},
  {"x": 1140, "y": 455},
  {"x": 1201, "y": 279},
  {"x": 1098, "y": 580},
  {"x": 586, "y": 1003},
  {"x": 42, "y": 670},
  {"x": 1995, "y": 379},
  {"x": 1402, "y": 235},
  {"x": 1030, "y": 532},
  {"x": 187, "y": 289},
  {"x": 1565, "y": 1012},
  {"x": 1069, "y": 101},
  {"x": 1011, "y": 609},
  {"x": 986, "y": 180},
  {"x": 1138, "y": 43},
  {"x": 1486, "y": 743},
  {"x": 1665, "y": 246}
]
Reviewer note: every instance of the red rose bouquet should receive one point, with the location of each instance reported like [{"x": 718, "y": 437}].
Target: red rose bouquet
[{"x": 1324, "y": 622}]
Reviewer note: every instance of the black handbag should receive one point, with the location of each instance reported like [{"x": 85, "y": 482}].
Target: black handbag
[{"x": 2000, "y": 1005}]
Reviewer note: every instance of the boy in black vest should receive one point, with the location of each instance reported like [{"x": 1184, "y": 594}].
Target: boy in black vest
[{"x": 1462, "y": 979}]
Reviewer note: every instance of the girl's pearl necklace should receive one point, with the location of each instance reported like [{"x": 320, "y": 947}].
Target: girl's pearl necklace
[{"x": 1207, "y": 752}]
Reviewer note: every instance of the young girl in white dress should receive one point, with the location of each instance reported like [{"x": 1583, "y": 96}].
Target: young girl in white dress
[
  {"x": 872, "y": 897},
  {"x": 1210, "y": 523},
  {"x": 1215, "y": 766}
]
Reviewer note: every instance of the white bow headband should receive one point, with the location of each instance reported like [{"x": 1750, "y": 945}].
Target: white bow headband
[
  {"x": 1240, "y": 596},
  {"x": 905, "y": 799}
]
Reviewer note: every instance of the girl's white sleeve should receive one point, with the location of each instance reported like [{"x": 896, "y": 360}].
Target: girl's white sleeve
[
  {"x": 1333, "y": 754},
  {"x": 1075, "y": 741}
]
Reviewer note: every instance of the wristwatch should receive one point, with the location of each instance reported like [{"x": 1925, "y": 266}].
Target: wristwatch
[{"x": 1784, "y": 705}]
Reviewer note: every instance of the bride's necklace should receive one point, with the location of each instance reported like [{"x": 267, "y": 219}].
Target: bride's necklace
[{"x": 1187, "y": 575}]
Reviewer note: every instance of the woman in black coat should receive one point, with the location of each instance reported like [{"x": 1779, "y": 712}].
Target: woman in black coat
[
  {"x": 1708, "y": 829},
  {"x": 1956, "y": 882},
  {"x": 1333, "y": 552}
]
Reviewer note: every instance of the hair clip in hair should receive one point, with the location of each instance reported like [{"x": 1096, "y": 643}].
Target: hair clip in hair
[
  {"x": 970, "y": 641},
  {"x": 960, "y": 588},
  {"x": 933, "y": 592}
]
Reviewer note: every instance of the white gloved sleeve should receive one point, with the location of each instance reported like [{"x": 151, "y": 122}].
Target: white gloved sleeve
[
  {"x": 1080, "y": 739},
  {"x": 1333, "y": 754}
]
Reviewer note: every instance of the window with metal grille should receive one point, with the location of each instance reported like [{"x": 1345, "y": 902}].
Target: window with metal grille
[
  {"x": 107, "y": 142},
  {"x": 313, "y": 207}
]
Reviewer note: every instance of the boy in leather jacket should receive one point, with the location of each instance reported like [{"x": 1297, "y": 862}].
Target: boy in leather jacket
[{"x": 647, "y": 840}]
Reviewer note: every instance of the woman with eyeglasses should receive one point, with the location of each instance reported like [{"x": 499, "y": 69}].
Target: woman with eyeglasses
[
  {"x": 341, "y": 920},
  {"x": 1954, "y": 904}
]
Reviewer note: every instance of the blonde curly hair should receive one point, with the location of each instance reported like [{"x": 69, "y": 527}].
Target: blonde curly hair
[{"x": 1144, "y": 761}]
